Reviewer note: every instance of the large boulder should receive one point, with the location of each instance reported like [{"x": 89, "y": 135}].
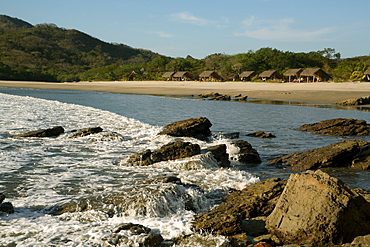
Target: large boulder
[
  {"x": 194, "y": 127},
  {"x": 349, "y": 153},
  {"x": 338, "y": 127},
  {"x": 246, "y": 154},
  {"x": 55, "y": 131},
  {"x": 229, "y": 217},
  {"x": 170, "y": 151},
  {"x": 320, "y": 210},
  {"x": 85, "y": 132}
]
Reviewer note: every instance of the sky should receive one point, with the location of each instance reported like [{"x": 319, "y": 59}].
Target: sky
[{"x": 203, "y": 27}]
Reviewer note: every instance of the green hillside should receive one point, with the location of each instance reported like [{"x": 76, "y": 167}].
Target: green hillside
[{"x": 47, "y": 52}]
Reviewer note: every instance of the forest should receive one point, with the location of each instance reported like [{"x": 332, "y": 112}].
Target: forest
[{"x": 45, "y": 52}]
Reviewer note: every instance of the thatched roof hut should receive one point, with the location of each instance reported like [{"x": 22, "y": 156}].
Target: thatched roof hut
[
  {"x": 246, "y": 75},
  {"x": 367, "y": 74},
  {"x": 293, "y": 73},
  {"x": 182, "y": 76},
  {"x": 270, "y": 75},
  {"x": 210, "y": 76},
  {"x": 314, "y": 75},
  {"x": 168, "y": 75}
]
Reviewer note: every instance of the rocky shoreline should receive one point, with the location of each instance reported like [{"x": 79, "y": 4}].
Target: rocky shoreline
[{"x": 311, "y": 208}]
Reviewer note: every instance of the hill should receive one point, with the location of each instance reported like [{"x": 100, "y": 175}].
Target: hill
[{"x": 47, "y": 52}]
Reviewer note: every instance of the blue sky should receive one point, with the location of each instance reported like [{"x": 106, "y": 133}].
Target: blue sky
[{"x": 203, "y": 27}]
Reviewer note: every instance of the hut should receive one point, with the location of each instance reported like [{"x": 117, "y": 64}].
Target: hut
[
  {"x": 270, "y": 75},
  {"x": 367, "y": 74},
  {"x": 294, "y": 74},
  {"x": 182, "y": 76},
  {"x": 314, "y": 75},
  {"x": 210, "y": 76},
  {"x": 168, "y": 75},
  {"x": 247, "y": 75}
]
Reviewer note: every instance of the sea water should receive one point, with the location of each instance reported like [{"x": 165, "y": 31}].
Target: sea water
[{"x": 38, "y": 174}]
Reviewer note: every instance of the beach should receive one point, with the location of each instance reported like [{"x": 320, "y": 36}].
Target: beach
[{"x": 322, "y": 93}]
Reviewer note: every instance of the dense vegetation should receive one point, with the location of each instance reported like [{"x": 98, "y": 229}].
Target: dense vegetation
[{"x": 46, "y": 52}]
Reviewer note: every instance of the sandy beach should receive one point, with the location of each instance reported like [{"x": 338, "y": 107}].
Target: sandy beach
[{"x": 325, "y": 93}]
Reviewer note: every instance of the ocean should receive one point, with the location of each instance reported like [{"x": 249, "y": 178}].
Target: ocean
[{"x": 39, "y": 174}]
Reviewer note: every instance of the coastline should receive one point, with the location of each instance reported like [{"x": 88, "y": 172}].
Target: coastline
[{"x": 319, "y": 93}]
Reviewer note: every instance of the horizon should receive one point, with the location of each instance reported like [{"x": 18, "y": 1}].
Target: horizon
[{"x": 199, "y": 29}]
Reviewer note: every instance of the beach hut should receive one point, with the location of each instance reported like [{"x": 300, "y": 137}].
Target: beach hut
[
  {"x": 294, "y": 74},
  {"x": 246, "y": 75},
  {"x": 182, "y": 76},
  {"x": 314, "y": 75},
  {"x": 168, "y": 75},
  {"x": 367, "y": 74},
  {"x": 270, "y": 75},
  {"x": 210, "y": 76}
]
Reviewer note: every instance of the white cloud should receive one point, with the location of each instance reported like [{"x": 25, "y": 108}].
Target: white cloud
[
  {"x": 281, "y": 30},
  {"x": 189, "y": 18},
  {"x": 163, "y": 34}
]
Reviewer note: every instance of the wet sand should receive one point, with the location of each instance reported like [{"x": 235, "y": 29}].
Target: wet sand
[{"x": 323, "y": 93}]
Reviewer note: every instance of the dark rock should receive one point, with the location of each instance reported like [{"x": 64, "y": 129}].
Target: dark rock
[
  {"x": 220, "y": 154},
  {"x": 215, "y": 96},
  {"x": 134, "y": 228},
  {"x": 261, "y": 134},
  {"x": 145, "y": 236},
  {"x": 170, "y": 151},
  {"x": 2, "y": 197},
  {"x": 239, "y": 240},
  {"x": 6, "y": 207},
  {"x": 240, "y": 98},
  {"x": 194, "y": 127},
  {"x": 232, "y": 135},
  {"x": 255, "y": 226},
  {"x": 349, "y": 153},
  {"x": 318, "y": 209},
  {"x": 86, "y": 132},
  {"x": 247, "y": 154},
  {"x": 55, "y": 131},
  {"x": 227, "y": 218},
  {"x": 355, "y": 101},
  {"x": 338, "y": 127}
]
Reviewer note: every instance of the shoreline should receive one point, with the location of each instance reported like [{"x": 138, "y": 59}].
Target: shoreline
[{"x": 319, "y": 93}]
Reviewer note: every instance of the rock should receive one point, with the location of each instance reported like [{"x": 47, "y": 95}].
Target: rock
[
  {"x": 85, "y": 132},
  {"x": 355, "y": 101},
  {"x": 261, "y": 134},
  {"x": 338, "y": 127},
  {"x": 194, "y": 127},
  {"x": 240, "y": 98},
  {"x": 349, "y": 153},
  {"x": 255, "y": 226},
  {"x": 215, "y": 96},
  {"x": 240, "y": 240},
  {"x": 227, "y": 218},
  {"x": 55, "y": 131},
  {"x": 318, "y": 209},
  {"x": 247, "y": 154},
  {"x": 232, "y": 135},
  {"x": 6, "y": 207},
  {"x": 360, "y": 241},
  {"x": 220, "y": 154},
  {"x": 170, "y": 151},
  {"x": 144, "y": 236}
]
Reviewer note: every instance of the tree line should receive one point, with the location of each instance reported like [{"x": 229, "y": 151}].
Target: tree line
[{"x": 45, "y": 52}]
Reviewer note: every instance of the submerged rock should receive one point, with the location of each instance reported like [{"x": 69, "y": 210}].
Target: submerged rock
[
  {"x": 5, "y": 207},
  {"x": 85, "y": 132},
  {"x": 220, "y": 154},
  {"x": 261, "y": 134},
  {"x": 194, "y": 127},
  {"x": 55, "y": 131},
  {"x": 349, "y": 153},
  {"x": 170, "y": 151},
  {"x": 227, "y": 218},
  {"x": 338, "y": 127},
  {"x": 318, "y": 209},
  {"x": 247, "y": 154}
]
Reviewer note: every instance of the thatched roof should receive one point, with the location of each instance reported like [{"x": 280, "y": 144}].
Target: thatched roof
[
  {"x": 367, "y": 72},
  {"x": 310, "y": 71},
  {"x": 292, "y": 72},
  {"x": 247, "y": 74},
  {"x": 181, "y": 74},
  {"x": 267, "y": 73},
  {"x": 207, "y": 73},
  {"x": 168, "y": 74}
]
